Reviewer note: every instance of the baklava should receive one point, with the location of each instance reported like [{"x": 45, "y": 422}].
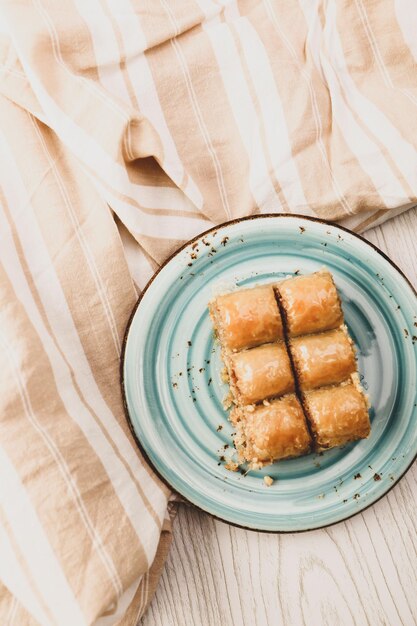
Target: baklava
[
  {"x": 291, "y": 368},
  {"x": 247, "y": 318},
  {"x": 267, "y": 433},
  {"x": 310, "y": 303},
  {"x": 337, "y": 415},
  {"x": 260, "y": 373},
  {"x": 323, "y": 359}
]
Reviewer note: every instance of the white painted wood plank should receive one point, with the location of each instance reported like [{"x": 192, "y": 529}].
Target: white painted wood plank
[{"x": 360, "y": 572}]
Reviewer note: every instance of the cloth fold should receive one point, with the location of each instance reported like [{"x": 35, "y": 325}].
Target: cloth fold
[{"x": 127, "y": 128}]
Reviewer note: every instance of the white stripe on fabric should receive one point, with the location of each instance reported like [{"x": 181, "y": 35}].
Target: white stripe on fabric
[
  {"x": 139, "y": 266},
  {"x": 314, "y": 38},
  {"x": 90, "y": 85},
  {"x": 63, "y": 468},
  {"x": 406, "y": 14},
  {"x": 378, "y": 56},
  {"x": 197, "y": 111},
  {"x": 276, "y": 130},
  {"x": 25, "y": 86},
  {"x": 231, "y": 10},
  {"x": 165, "y": 198},
  {"x": 33, "y": 542},
  {"x": 203, "y": 129},
  {"x": 79, "y": 233},
  {"x": 90, "y": 152},
  {"x": 211, "y": 12},
  {"x": 146, "y": 93},
  {"x": 401, "y": 150},
  {"x": 86, "y": 149},
  {"x": 16, "y": 581},
  {"x": 122, "y": 606},
  {"x": 167, "y": 227},
  {"x": 12, "y": 613},
  {"x": 59, "y": 317},
  {"x": 352, "y": 222},
  {"x": 121, "y": 481},
  {"x": 105, "y": 48},
  {"x": 111, "y": 78},
  {"x": 245, "y": 115},
  {"x": 365, "y": 150},
  {"x": 314, "y": 105}
]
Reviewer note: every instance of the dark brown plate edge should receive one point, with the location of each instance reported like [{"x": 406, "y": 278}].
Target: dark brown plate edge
[{"x": 124, "y": 343}]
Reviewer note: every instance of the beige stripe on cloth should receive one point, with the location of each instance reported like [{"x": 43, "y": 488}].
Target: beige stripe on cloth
[{"x": 126, "y": 128}]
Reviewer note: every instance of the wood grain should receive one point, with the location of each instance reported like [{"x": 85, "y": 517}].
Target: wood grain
[{"x": 359, "y": 572}]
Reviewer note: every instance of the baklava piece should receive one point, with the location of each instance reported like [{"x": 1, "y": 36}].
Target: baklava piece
[
  {"x": 323, "y": 359},
  {"x": 310, "y": 303},
  {"x": 246, "y": 318},
  {"x": 337, "y": 415},
  {"x": 260, "y": 373},
  {"x": 265, "y": 434}
]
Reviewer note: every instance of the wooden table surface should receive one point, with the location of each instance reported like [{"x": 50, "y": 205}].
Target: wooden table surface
[{"x": 362, "y": 571}]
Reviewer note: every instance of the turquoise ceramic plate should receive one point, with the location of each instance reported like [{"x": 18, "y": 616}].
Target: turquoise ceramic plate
[{"x": 173, "y": 392}]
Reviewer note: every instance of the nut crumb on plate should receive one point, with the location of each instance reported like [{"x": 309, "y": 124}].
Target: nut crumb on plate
[
  {"x": 228, "y": 401},
  {"x": 224, "y": 375},
  {"x": 268, "y": 481}
]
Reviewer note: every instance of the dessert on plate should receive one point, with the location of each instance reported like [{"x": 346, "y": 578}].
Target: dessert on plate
[
  {"x": 277, "y": 430},
  {"x": 247, "y": 318},
  {"x": 291, "y": 368},
  {"x": 260, "y": 373}
]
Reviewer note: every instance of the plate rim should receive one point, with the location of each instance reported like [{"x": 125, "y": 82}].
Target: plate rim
[{"x": 142, "y": 450}]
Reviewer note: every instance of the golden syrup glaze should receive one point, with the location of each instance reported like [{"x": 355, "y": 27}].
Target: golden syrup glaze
[
  {"x": 247, "y": 318},
  {"x": 262, "y": 373},
  {"x": 323, "y": 359}
]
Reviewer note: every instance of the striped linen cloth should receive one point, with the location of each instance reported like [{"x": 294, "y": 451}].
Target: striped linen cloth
[{"x": 128, "y": 127}]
